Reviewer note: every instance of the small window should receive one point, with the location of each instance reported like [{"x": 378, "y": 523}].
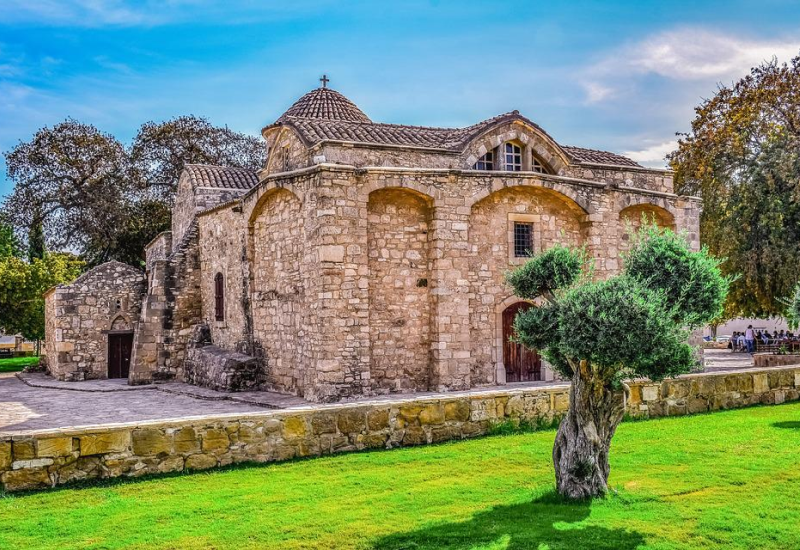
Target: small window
[
  {"x": 219, "y": 297},
  {"x": 285, "y": 159},
  {"x": 537, "y": 166},
  {"x": 523, "y": 239},
  {"x": 512, "y": 157},
  {"x": 486, "y": 162}
]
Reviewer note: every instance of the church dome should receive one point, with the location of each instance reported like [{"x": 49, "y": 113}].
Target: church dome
[{"x": 327, "y": 104}]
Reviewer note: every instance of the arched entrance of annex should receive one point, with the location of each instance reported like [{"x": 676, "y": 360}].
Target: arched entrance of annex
[
  {"x": 520, "y": 363},
  {"x": 120, "y": 346}
]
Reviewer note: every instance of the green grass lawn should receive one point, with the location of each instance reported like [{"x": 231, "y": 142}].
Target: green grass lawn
[
  {"x": 17, "y": 363},
  {"x": 723, "y": 480}
]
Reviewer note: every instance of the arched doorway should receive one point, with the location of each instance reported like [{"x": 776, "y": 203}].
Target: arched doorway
[{"x": 521, "y": 364}]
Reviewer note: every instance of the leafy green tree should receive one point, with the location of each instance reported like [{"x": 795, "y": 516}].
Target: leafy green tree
[
  {"x": 36, "y": 242},
  {"x": 742, "y": 157},
  {"x": 597, "y": 334},
  {"x": 9, "y": 243},
  {"x": 793, "y": 312},
  {"x": 22, "y": 285}
]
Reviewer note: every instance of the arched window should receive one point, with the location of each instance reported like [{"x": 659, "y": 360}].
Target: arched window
[
  {"x": 219, "y": 297},
  {"x": 512, "y": 157},
  {"x": 537, "y": 166},
  {"x": 486, "y": 162}
]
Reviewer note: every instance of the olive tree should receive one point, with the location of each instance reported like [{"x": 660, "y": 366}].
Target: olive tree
[{"x": 598, "y": 333}]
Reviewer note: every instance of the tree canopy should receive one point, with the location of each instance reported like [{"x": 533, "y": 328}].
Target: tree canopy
[
  {"x": 80, "y": 189},
  {"x": 22, "y": 285},
  {"x": 599, "y": 333},
  {"x": 742, "y": 156}
]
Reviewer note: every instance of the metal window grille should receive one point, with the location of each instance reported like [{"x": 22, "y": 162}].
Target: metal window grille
[{"x": 523, "y": 239}]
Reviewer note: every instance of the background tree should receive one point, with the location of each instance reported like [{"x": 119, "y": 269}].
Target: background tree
[
  {"x": 9, "y": 243},
  {"x": 160, "y": 150},
  {"x": 742, "y": 157},
  {"x": 90, "y": 194},
  {"x": 69, "y": 180},
  {"x": 21, "y": 287},
  {"x": 597, "y": 334}
]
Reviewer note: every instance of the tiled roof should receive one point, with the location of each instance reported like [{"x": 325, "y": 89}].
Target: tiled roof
[
  {"x": 325, "y": 104},
  {"x": 582, "y": 154},
  {"x": 326, "y": 115},
  {"x": 224, "y": 177},
  {"x": 452, "y": 139}
]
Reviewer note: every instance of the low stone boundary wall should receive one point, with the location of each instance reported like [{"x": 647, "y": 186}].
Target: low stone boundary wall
[
  {"x": 763, "y": 360},
  {"x": 40, "y": 459}
]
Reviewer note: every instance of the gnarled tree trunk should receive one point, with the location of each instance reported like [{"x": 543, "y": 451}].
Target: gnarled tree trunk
[{"x": 580, "y": 453}]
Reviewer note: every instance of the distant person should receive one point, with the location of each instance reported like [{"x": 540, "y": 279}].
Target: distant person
[{"x": 750, "y": 339}]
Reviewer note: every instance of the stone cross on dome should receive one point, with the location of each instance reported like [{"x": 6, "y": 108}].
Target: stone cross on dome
[{"x": 324, "y": 80}]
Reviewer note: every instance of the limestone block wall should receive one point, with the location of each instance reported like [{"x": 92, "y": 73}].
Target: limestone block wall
[
  {"x": 762, "y": 360},
  {"x": 638, "y": 178},
  {"x": 279, "y": 293},
  {"x": 38, "y": 460},
  {"x": 158, "y": 249},
  {"x": 223, "y": 249},
  {"x": 78, "y": 316},
  {"x": 399, "y": 296}
]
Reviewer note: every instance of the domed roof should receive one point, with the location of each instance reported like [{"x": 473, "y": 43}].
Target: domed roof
[{"x": 324, "y": 103}]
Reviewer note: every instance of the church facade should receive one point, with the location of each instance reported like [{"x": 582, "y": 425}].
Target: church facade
[{"x": 363, "y": 259}]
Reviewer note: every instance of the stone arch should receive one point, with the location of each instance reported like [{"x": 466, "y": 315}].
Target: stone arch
[
  {"x": 120, "y": 321},
  {"x": 575, "y": 201},
  {"x": 539, "y": 143},
  {"x": 426, "y": 192},
  {"x": 264, "y": 193},
  {"x": 630, "y": 220},
  {"x": 554, "y": 219},
  {"x": 276, "y": 248},
  {"x": 399, "y": 260}
]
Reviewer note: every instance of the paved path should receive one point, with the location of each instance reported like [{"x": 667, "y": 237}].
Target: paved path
[
  {"x": 716, "y": 360},
  {"x": 53, "y": 404}
]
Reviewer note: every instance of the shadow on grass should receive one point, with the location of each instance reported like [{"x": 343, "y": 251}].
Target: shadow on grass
[
  {"x": 547, "y": 522},
  {"x": 788, "y": 425}
]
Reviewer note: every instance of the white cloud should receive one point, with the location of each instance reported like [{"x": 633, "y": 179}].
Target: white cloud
[
  {"x": 91, "y": 13},
  {"x": 689, "y": 54},
  {"x": 653, "y": 155}
]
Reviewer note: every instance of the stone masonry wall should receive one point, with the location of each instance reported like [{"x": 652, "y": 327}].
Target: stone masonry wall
[
  {"x": 278, "y": 294},
  {"x": 78, "y": 315},
  {"x": 223, "y": 235},
  {"x": 400, "y": 306},
  {"x": 38, "y": 460}
]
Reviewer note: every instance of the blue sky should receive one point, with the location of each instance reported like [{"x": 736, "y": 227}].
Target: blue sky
[{"x": 617, "y": 75}]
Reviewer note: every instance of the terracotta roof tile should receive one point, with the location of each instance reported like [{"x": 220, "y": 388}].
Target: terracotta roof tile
[
  {"x": 581, "y": 154},
  {"x": 325, "y": 104},
  {"x": 223, "y": 177}
]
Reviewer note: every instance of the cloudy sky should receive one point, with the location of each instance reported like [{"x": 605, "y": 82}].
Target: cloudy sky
[{"x": 617, "y": 75}]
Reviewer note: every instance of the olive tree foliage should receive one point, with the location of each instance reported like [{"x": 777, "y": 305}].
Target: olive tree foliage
[
  {"x": 599, "y": 333},
  {"x": 742, "y": 156}
]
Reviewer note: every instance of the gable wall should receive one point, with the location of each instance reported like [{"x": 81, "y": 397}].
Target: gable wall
[{"x": 77, "y": 315}]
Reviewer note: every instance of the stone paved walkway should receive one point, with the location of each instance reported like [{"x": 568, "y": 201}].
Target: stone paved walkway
[{"x": 52, "y": 404}]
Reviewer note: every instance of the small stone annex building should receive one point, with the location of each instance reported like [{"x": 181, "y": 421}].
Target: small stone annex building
[{"x": 364, "y": 258}]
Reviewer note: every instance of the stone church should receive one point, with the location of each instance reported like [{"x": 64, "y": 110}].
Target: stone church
[{"x": 364, "y": 258}]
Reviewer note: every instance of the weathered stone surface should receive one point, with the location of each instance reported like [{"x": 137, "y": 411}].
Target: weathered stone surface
[
  {"x": 54, "y": 447},
  {"x": 215, "y": 440},
  {"x": 378, "y": 419},
  {"x": 201, "y": 461},
  {"x": 351, "y": 421},
  {"x": 186, "y": 440},
  {"x": 24, "y": 449},
  {"x": 150, "y": 441},
  {"x": 323, "y": 423},
  {"x": 5, "y": 455},
  {"x": 23, "y": 480},
  {"x": 294, "y": 427},
  {"x": 223, "y": 370},
  {"x": 108, "y": 442},
  {"x": 432, "y": 414}
]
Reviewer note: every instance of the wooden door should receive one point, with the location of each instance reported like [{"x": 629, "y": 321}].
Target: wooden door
[
  {"x": 522, "y": 364},
  {"x": 119, "y": 355}
]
